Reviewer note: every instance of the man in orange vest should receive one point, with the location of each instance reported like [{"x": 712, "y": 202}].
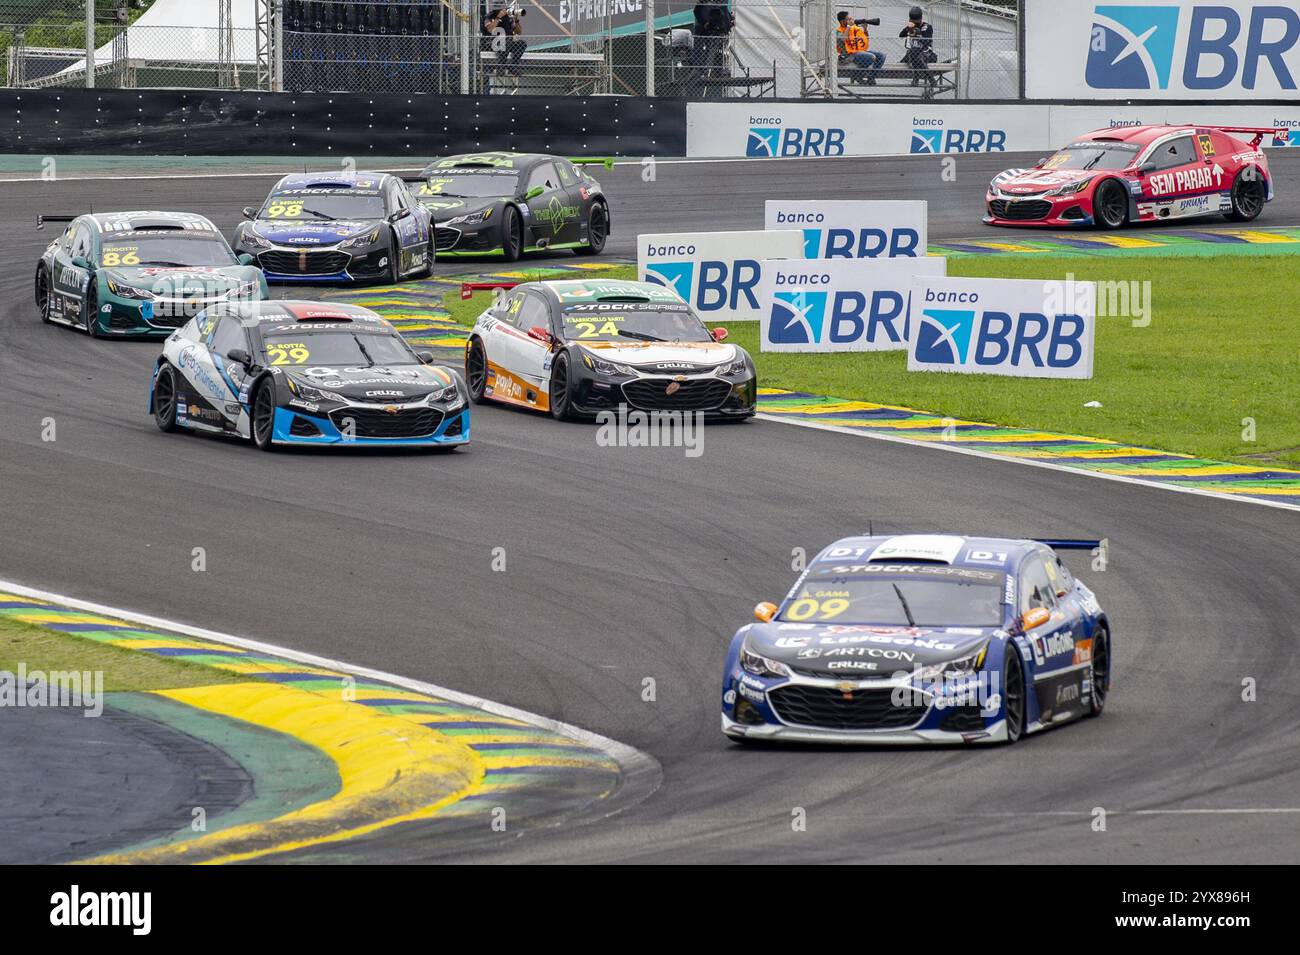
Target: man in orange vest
[{"x": 855, "y": 46}]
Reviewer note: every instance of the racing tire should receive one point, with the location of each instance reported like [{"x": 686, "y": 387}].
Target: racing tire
[
  {"x": 597, "y": 230},
  {"x": 261, "y": 427},
  {"x": 43, "y": 292},
  {"x": 512, "y": 234},
  {"x": 92, "y": 311},
  {"x": 1110, "y": 205},
  {"x": 1099, "y": 671},
  {"x": 164, "y": 399},
  {"x": 561, "y": 406},
  {"x": 1013, "y": 694},
  {"x": 394, "y": 262},
  {"x": 476, "y": 371},
  {"x": 1248, "y": 196}
]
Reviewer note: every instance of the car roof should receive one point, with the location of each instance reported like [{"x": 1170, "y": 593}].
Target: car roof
[
  {"x": 596, "y": 290},
  {"x": 360, "y": 181},
  {"x": 139, "y": 221},
  {"x": 1136, "y": 135},
  {"x": 983, "y": 553},
  {"x": 281, "y": 311},
  {"x": 491, "y": 159}
]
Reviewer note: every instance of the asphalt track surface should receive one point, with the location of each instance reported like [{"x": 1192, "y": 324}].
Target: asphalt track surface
[{"x": 628, "y": 564}]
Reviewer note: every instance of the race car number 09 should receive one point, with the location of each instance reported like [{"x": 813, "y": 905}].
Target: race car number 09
[{"x": 806, "y": 608}]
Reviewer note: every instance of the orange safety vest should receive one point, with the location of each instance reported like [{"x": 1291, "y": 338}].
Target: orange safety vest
[{"x": 855, "y": 39}]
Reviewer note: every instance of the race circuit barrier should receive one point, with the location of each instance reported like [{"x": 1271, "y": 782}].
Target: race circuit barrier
[
  {"x": 854, "y": 228},
  {"x": 840, "y": 305},
  {"x": 719, "y": 273},
  {"x": 801, "y": 130},
  {"x": 1014, "y": 327},
  {"x": 1178, "y": 49}
]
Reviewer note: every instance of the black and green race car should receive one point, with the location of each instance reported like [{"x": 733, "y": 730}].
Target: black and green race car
[
  {"x": 507, "y": 204},
  {"x": 139, "y": 273}
]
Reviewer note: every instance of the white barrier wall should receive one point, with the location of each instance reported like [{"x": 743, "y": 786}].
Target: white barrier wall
[
  {"x": 1194, "y": 50},
  {"x": 718, "y": 273},
  {"x": 776, "y": 130}
]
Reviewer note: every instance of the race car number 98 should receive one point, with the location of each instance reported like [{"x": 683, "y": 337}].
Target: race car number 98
[{"x": 285, "y": 210}]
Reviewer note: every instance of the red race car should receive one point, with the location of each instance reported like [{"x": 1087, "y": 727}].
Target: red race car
[{"x": 1114, "y": 177}]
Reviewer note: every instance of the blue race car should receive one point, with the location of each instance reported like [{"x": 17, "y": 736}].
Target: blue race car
[
  {"x": 305, "y": 373},
  {"x": 921, "y": 639},
  {"x": 339, "y": 227}
]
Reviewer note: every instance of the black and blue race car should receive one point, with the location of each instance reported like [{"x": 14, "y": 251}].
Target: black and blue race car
[
  {"x": 305, "y": 373},
  {"x": 339, "y": 227},
  {"x": 507, "y": 204},
  {"x": 921, "y": 639}
]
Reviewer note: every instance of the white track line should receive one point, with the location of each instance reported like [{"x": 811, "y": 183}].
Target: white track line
[
  {"x": 987, "y": 455},
  {"x": 637, "y": 767}
]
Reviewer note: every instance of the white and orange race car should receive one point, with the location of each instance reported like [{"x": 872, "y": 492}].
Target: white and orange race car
[{"x": 579, "y": 348}]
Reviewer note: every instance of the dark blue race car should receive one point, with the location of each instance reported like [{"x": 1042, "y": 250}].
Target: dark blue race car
[
  {"x": 339, "y": 227},
  {"x": 921, "y": 639}
]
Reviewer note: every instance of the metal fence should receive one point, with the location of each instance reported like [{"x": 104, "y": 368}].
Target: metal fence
[{"x": 754, "y": 49}]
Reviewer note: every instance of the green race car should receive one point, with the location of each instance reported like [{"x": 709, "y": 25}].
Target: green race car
[{"x": 139, "y": 273}]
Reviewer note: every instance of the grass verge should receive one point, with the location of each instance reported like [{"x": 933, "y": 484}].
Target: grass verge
[
  {"x": 48, "y": 650},
  {"x": 1219, "y": 356}
]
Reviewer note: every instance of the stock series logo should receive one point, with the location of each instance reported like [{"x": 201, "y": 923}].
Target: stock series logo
[{"x": 1132, "y": 48}]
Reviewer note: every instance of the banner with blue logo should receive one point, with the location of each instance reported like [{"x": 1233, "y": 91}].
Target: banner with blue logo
[
  {"x": 718, "y": 273},
  {"x": 1171, "y": 50},
  {"x": 840, "y": 305},
  {"x": 1015, "y": 327},
  {"x": 854, "y": 228}
]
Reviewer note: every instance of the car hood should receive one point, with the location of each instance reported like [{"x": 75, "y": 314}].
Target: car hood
[
  {"x": 824, "y": 649},
  {"x": 313, "y": 233},
  {"x": 381, "y": 385},
  {"x": 187, "y": 281},
  {"x": 669, "y": 358},
  {"x": 448, "y": 207},
  {"x": 1029, "y": 182}
]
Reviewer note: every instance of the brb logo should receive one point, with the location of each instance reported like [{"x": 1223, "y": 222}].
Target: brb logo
[
  {"x": 1136, "y": 47},
  {"x": 976, "y": 339},
  {"x": 838, "y": 318},
  {"x": 720, "y": 285},
  {"x": 769, "y": 139},
  {"x": 842, "y": 243},
  {"x": 931, "y": 138}
]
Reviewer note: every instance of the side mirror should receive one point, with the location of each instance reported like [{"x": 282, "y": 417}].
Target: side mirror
[
  {"x": 765, "y": 611},
  {"x": 719, "y": 334},
  {"x": 1146, "y": 167},
  {"x": 399, "y": 215},
  {"x": 1031, "y": 619},
  {"x": 534, "y": 192},
  {"x": 1041, "y": 163},
  {"x": 240, "y": 357},
  {"x": 246, "y": 259},
  {"x": 426, "y": 357},
  {"x": 540, "y": 334},
  {"x": 80, "y": 262},
  {"x": 249, "y": 212}
]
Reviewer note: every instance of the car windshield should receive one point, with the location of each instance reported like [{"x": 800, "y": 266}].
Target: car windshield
[
  {"x": 169, "y": 250},
  {"x": 343, "y": 347},
  {"x": 322, "y": 205},
  {"x": 626, "y": 322},
  {"x": 914, "y": 595},
  {"x": 478, "y": 184},
  {"x": 1093, "y": 156}
]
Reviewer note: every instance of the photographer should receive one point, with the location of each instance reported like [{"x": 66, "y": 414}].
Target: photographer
[
  {"x": 854, "y": 44},
  {"x": 503, "y": 25},
  {"x": 918, "y": 36}
]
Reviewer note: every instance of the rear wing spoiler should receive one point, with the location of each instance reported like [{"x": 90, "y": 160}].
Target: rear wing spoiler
[
  {"x": 606, "y": 161},
  {"x": 1259, "y": 132},
  {"x": 41, "y": 220},
  {"x": 1068, "y": 543},
  {"x": 467, "y": 289}
]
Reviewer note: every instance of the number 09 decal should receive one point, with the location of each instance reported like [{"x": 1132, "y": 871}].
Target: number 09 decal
[{"x": 806, "y": 608}]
